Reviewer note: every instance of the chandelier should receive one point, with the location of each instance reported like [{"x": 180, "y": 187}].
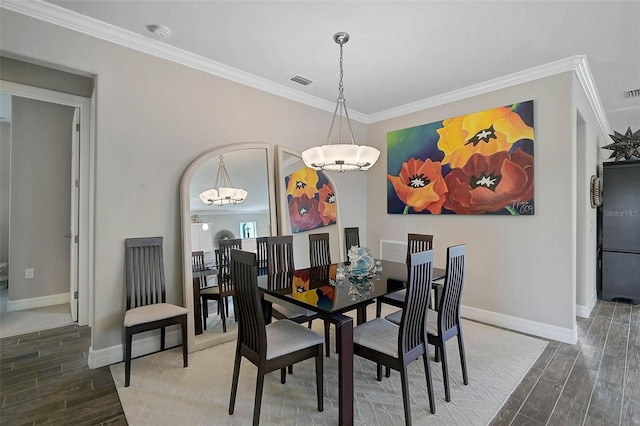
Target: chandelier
[
  {"x": 223, "y": 191},
  {"x": 342, "y": 156}
]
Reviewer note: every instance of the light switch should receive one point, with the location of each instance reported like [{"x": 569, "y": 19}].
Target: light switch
[{"x": 28, "y": 273}]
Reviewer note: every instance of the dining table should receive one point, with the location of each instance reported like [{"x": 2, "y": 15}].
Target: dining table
[{"x": 317, "y": 289}]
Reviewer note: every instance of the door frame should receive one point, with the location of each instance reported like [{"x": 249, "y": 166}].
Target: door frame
[{"x": 86, "y": 176}]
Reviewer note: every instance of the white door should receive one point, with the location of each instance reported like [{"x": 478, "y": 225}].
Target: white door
[{"x": 73, "y": 234}]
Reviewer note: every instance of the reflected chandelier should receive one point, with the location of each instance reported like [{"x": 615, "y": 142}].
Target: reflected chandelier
[
  {"x": 341, "y": 157},
  {"x": 223, "y": 192}
]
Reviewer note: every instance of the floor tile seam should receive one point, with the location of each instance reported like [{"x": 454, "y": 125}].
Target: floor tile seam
[
  {"x": 626, "y": 364},
  {"x": 584, "y": 419},
  {"x": 520, "y": 406},
  {"x": 533, "y": 387},
  {"x": 564, "y": 385}
]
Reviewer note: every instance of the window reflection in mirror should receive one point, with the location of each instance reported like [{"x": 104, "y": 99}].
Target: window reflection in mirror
[{"x": 204, "y": 226}]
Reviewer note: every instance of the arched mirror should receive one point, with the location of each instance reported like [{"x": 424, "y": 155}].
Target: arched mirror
[
  {"x": 249, "y": 166},
  {"x": 307, "y": 203}
]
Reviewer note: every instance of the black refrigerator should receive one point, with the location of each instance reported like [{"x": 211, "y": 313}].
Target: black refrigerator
[{"x": 621, "y": 230}]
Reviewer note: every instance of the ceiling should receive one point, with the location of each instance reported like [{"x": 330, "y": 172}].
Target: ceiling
[{"x": 400, "y": 52}]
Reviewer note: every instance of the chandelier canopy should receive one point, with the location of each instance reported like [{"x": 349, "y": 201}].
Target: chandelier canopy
[
  {"x": 342, "y": 157},
  {"x": 223, "y": 191}
]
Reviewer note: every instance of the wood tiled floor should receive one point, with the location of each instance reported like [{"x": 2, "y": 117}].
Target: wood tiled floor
[
  {"x": 44, "y": 379},
  {"x": 595, "y": 382}
]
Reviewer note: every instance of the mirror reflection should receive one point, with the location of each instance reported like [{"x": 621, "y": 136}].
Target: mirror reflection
[
  {"x": 218, "y": 222},
  {"x": 295, "y": 182}
]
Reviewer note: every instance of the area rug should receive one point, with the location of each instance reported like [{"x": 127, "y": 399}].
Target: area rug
[{"x": 164, "y": 393}]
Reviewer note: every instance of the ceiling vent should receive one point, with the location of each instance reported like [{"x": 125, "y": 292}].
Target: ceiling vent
[
  {"x": 632, "y": 93},
  {"x": 301, "y": 80}
]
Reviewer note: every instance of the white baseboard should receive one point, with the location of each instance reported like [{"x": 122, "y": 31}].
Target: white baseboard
[
  {"x": 560, "y": 334},
  {"x": 585, "y": 311},
  {"x": 144, "y": 343},
  {"x": 37, "y": 302}
]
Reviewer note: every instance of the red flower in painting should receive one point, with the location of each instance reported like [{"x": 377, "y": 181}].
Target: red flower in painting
[
  {"x": 488, "y": 184},
  {"x": 420, "y": 185},
  {"x": 304, "y": 213},
  {"x": 327, "y": 205}
]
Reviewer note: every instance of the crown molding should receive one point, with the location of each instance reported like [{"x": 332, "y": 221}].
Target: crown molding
[
  {"x": 56, "y": 15},
  {"x": 577, "y": 64},
  {"x": 74, "y": 21}
]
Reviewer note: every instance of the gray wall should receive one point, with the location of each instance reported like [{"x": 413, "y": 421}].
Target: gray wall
[
  {"x": 40, "y": 198},
  {"x": 520, "y": 269},
  {"x": 154, "y": 118},
  {"x": 5, "y": 161}
]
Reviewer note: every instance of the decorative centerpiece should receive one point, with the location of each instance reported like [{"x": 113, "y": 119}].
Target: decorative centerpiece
[
  {"x": 361, "y": 262},
  {"x": 360, "y": 288}
]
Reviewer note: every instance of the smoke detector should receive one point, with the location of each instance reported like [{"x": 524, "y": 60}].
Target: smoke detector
[{"x": 160, "y": 30}]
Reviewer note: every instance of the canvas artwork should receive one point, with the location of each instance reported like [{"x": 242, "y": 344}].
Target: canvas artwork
[
  {"x": 311, "y": 200},
  {"x": 475, "y": 164}
]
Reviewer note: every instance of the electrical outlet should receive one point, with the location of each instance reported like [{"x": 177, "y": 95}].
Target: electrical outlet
[{"x": 28, "y": 273}]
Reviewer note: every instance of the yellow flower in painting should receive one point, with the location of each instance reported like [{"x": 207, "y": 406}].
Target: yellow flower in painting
[
  {"x": 484, "y": 133},
  {"x": 303, "y": 181}
]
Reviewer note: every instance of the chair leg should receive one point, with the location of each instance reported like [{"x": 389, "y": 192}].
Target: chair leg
[
  {"x": 463, "y": 358},
  {"x": 427, "y": 370},
  {"x": 445, "y": 371},
  {"x": 234, "y": 382},
  {"x": 404, "y": 380},
  {"x": 258, "y": 401},
  {"x": 378, "y": 308},
  {"x": 327, "y": 339},
  {"x": 162, "y": 338},
  {"x": 205, "y": 312},
  {"x": 224, "y": 319},
  {"x": 283, "y": 375},
  {"x": 387, "y": 372},
  {"x": 185, "y": 352},
  {"x": 379, "y": 372},
  {"x": 320, "y": 379},
  {"x": 127, "y": 357}
]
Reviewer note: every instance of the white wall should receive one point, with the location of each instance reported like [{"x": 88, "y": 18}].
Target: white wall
[
  {"x": 520, "y": 270},
  {"x": 154, "y": 118}
]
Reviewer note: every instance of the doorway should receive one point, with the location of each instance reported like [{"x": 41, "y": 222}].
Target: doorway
[{"x": 48, "y": 255}]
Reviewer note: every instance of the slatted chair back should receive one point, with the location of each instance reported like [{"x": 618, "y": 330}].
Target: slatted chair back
[
  {"x": 351, "y": 238},
  {"x": 419, "y": 242},
  {"x": 247, "y": 303},
  {"x": 197, "y": 260},
  {"x": 261, "y": 252},
  {"x": 225, "y": 283},
  {"x": 144, "y": 271},
  {"x": 449, "y": 308},
  {"x": 319, "y": 253},
  {"x": 414, "y": 313},
  {"x": 280, "y": 254}
]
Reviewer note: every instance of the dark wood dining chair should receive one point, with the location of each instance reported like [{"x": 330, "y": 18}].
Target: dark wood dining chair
[
  {"x": 397, "y": 345},
  {"x": 415, "y": 244},
  {"x": 269, "y": 347},
  {"x": 445, "y": 324},
  {"x": 280, "y": 260},
  {"x": 320, "y": 256},
  {"x": 351, "y": 238},
  {"x": 261, "y": 252},
  {"x": 319, "y": 252},
  {"x": 147, "y": 307},
  {"x": 224, "y": 289}
]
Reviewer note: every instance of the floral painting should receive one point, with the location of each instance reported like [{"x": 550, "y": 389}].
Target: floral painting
[
  {"x": 479, "y": 163},
  {"x": 311, "y": 200}
]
